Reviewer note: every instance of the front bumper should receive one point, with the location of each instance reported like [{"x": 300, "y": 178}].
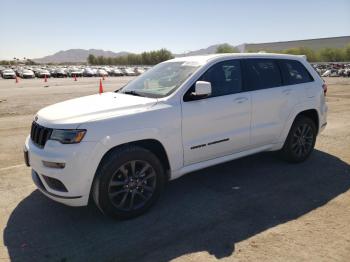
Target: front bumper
[
  {"x": 67, "y": 200},
  {"x": 76, "y": 177},
  {"x": 28, "y": 76},
  {"x": 9, "y": 76}
]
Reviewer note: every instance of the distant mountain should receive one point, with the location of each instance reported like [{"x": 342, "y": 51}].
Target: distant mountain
[
  {"x": 80, "y": 55},
  {"x": 204, "y": 51},
  {"x": 76, "y": 56}
]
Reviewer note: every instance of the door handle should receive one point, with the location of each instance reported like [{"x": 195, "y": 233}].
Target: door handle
[
  {"x": 287, "y": 91},
  {"x": 240, "y": 100}
]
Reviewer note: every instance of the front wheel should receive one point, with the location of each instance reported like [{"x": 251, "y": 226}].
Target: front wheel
[
  {"x": 128, "y": 182},
  {"x": 300, "y": 141}
]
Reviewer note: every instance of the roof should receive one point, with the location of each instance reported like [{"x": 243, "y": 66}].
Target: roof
[{"x": 203, "y": 59}]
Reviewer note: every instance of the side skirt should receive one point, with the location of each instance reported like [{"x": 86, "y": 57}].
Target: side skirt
[{"x": 204, "y": 164}]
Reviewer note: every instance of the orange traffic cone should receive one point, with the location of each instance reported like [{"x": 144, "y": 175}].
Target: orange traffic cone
[
  {"x": 101, "y": 87},
  {"x": 75, "y": 77},
  {"x": 45, "y": 78},
  {"x": 16, "y": 79}
]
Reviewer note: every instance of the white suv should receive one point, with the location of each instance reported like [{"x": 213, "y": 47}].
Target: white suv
[{"x": 185, "y": 114}]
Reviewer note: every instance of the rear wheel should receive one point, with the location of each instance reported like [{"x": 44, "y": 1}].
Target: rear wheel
[
  {"x": 300, "y": 141},
  {"x": 128, "y": 182}
]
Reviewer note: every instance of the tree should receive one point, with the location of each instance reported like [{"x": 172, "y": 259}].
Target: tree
[
  {"x": 146, "y": 58},
  {"x": 100, "y": 60},
  {"x": 91, "y": 59},
  {"x": 347, "y": 53},
  {"x": 30, "y": 62},
  {"x": 226, "y": 48},
  {"x": 332, "y": 54},
  {"x": 109, "y": 61},
  {"x": 5, "y": 62},
  {"x": 310, "y": 54}
]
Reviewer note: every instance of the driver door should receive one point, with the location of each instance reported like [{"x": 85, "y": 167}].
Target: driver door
[{"x": 217, "y": 125}]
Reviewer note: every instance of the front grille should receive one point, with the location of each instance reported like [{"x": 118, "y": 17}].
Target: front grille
[{"x": 40, "y": 134}]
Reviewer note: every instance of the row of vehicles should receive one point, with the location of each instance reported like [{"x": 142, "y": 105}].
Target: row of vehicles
[
  {"x": 333, "y": 70},
  {"x": 73, "y": 71}
]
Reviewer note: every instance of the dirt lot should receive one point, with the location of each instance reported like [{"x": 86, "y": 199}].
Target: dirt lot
[{"x": 253, "y": 209}]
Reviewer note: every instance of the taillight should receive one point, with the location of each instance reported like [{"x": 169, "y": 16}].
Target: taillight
[{"x": 324, "y": 86}]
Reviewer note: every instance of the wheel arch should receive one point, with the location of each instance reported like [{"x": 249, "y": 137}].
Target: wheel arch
[
  {"x": 309, "y": 112},
  {"x": 153, "y": 145},
  {"x": 312, "y": 114}
]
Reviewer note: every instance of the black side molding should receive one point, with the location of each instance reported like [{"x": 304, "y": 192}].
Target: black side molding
[
  {"x": 218, "y": 141},
  {"x": 210, "y": 143}
]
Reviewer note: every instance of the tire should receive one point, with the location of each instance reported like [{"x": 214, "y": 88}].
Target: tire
[
  {"x": 300, "y": 141},
  {"x": 121, "y": 193}
]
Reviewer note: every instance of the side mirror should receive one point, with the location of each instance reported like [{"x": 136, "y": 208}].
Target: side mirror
[{"x": 202, "y": 90}]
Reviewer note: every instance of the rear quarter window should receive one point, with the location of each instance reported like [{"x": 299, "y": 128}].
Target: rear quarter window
[{"x": 294, "y": 72}]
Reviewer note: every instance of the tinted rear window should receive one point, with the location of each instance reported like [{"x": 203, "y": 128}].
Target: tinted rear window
[
  {"x": 294, "y": 72},
  {"x": 261, "y": 74}
]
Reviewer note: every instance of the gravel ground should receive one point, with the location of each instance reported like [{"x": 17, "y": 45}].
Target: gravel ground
[{"x": 258, "y": 208}]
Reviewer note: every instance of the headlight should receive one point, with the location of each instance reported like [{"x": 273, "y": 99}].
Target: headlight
[{"x": 68, "y": 136}]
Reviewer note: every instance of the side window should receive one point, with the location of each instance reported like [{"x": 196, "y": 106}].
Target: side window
[
  {"x": 225, "y": 78},
  {"x": 261, "y": 74},
  {"x": 294, "y": 72}
]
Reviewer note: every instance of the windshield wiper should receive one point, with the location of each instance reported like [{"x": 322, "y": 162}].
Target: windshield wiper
[{"x": 132, "y": 92}]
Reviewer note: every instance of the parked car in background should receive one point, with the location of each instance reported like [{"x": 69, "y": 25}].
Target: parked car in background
[
  {"x": 139, "y": 70},
  {"x": 117, "y": 72},
  {"x": 88, "y": 72},
  {"x": 332, "y": 69},
  {"x": 42, "y": 73},
  {"x": 334, "y": 72},
  {"x": 346, "y": 72},
  {"x": 101, "y": 72},
  {"x": 129, "y": 71},
  {"x": 59, "y": 72},
  {"x": 75, "y": 72},
  {"x": 17, "y": 71},
  {"x": 26, "y": 73},
  {"x": 109, "y": 70},
  {"x": 8, "y": 74}
]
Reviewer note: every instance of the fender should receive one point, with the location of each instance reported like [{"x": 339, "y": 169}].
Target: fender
[
  {"x": 306, "y": 105},
  {"x": 110, "y": 141},
  {"x": 173, "y": 151}
]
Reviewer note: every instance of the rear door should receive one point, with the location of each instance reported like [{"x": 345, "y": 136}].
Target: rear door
[{"x": 272, "y": 102}]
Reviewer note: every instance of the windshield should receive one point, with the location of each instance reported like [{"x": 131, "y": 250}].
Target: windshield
[{"x": 161, "y": 80}]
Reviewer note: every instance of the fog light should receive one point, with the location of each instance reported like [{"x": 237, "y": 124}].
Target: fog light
[{"x": 54, "y": 164}]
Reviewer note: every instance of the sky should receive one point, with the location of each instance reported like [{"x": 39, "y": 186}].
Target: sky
[{"x": 36, "y": 28}]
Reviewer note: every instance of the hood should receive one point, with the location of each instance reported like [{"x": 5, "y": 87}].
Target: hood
[{"x": 72, "y": 113}]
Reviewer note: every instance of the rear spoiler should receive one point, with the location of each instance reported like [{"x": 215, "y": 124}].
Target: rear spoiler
[{"x": 303, "y": 56}]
